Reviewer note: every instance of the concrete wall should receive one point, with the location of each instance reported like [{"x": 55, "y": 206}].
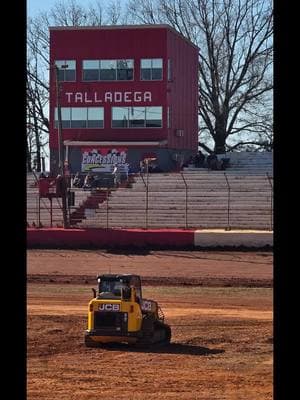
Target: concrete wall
[{"x": 160, "y": 238}]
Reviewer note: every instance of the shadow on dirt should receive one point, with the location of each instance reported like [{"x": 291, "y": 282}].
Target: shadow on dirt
[{"x": 172, "y": 348}]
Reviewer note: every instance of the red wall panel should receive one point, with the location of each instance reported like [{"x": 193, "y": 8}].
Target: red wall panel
[
  {"x": 183, "y": 93},
  {"x": 131, "y": 43}
]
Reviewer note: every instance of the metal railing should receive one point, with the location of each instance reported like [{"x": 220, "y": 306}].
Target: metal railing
[
  {"x": 223, "y": 200},
  {"x": 42, "y": 201}
]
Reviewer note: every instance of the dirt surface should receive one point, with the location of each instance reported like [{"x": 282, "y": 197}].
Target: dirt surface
[
  {"x": 205, "y": 268},
  {"x": 222, "y": 338}
]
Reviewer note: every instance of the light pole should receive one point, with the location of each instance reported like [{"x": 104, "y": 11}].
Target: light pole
[{"x": 61, "y": 151}]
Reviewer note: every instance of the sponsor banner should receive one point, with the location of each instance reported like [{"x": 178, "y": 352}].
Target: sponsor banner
[{"x": 103, "y": 159}]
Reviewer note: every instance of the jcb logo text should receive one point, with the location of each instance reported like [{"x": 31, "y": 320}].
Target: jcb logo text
[{"x": 109, "y": 307}]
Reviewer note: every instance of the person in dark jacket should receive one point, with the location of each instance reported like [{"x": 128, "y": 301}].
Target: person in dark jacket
[
  {"x": 214, "y": 163},
  {"x": 199, "y": 159}
]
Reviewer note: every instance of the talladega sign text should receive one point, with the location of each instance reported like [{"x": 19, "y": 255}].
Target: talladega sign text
[{"x": 108, "y": 97}]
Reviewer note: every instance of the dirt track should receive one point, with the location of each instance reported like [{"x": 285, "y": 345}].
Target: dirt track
[
  {"x": 222, "y": 336},
  {"x": 156, "y": 267}
]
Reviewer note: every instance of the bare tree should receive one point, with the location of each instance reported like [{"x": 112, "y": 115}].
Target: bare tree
[
  {"x": 37, "y": 98},
  {"x": 235, "y": 63}
]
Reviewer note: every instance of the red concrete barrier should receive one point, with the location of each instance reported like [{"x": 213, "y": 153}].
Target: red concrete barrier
[{"x": 95, "y": 237}]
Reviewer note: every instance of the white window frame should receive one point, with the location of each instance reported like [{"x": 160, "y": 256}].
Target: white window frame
[
  {"x": 162, "y": 69},
  {"x": 139, "y": 127},
  {"x": 116, "y": 70},
  {"x": 87, "y": 114},
  {"x": 59, "y": 63}
]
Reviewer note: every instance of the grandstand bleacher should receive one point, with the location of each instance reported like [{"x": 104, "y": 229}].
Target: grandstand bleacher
[{"x": 239, "y": 198}]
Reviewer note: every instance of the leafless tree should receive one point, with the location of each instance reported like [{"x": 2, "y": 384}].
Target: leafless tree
[
  {"x": 235, "y": 64},
  {"x": 37, "y": 98}
]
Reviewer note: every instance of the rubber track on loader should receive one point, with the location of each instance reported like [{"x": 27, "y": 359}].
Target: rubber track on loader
[{"x": 158, "y": 333}]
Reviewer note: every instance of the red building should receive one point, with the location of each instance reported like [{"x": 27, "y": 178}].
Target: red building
[{"x": 126, "y": 92}]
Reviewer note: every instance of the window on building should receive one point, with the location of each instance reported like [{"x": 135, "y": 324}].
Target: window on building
[
  {"x": 91, "y": 70},
  {"x": 81, "y": 117},
  {"x": 78, "y": 117},
  {"x": 65, "y": 117},
  {"x": 153, "y": 117},
  {"x": 124, "y": 70},
  {"x": 66, "y": 70},
  {"x": 120, "y": 117},
  {"x": 95, "y": 117},
  {"x": 151, "y": 69},
  {"x": 108, "y": 70},
  {"x": 137, "y": 117}
]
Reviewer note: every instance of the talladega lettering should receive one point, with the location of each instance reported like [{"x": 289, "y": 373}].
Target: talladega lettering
[{"x": 109, "y": 97}]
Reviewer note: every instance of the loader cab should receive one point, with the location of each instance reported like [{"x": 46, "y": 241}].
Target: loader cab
[{"x": 112, "y": 286}]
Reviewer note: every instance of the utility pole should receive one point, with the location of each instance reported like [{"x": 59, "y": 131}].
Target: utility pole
[{"x": 61, "y": 152}]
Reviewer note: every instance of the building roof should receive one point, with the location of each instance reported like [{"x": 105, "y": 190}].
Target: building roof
[{"x": 116, "y": 27}]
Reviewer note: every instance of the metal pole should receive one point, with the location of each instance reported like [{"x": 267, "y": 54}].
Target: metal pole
[
  {"x": 61, "y": 154},
  {"x": 39, "y": 211},
  {"x": 147, "y": 190},
  {"x": 107, "y": 196},
  {"x": 51, "y": 212},
  {"x": 228, "y": 204},
  {"x": 186, "y": 201},
  {"x": 270, "y": 182}
]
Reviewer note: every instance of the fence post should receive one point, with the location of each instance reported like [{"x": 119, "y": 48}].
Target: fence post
[
  {"x": 186, "y": 200},
  {"x": 270, "y": 182},
  {"x": 228, "y": 204},
  {"x": 51, "y": 212},
  {"x": 107, "y": 206},
  {"x": 39, "y": 211},
  {"x": 146, "y": 186}
]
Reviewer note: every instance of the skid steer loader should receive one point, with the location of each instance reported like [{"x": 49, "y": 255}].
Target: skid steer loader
[{"x": 118, "y": 313}]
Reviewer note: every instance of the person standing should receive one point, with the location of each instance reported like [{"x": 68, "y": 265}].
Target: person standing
[{"x": 116, "y": 175}]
